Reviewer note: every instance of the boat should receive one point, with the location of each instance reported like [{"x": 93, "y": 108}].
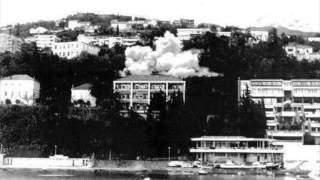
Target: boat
[
  {"x": 202, "y": 172},
  {"x": 303, "y": 177},
  {"x": 231, "y": 165},
  {"x": 271, "y": 165}
]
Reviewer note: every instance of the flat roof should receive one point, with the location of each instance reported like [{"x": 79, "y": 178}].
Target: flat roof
[
  {"x": 18, "y": 77},
  {"x": 228, "y": 138},
  {"x": 149, "y": 78},
  {"x": 85, "y": 86}
]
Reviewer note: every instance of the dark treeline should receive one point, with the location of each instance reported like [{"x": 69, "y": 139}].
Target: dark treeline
[{"x": 211, "y": 106}]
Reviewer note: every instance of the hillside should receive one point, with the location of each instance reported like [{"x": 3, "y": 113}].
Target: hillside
[{"x": 285, "y": 30}]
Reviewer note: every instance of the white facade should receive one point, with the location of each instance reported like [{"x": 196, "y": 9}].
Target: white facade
[
  {"x": 73, "y": 49},
  {"x": 137, "y": 91},
  {"x": 19, "y": 89},
  {"x": 73, "y": 24},
  {"x": 299, "y": 51},
  {"x": 107, "y": 40},
  {"x": 314, "y": 39},
  {"x": 187, "y": 34},
  {"x": 260, "y": 35},
  {"x": 38, "y": 30},
  {"x": 291, "y": 106},
  {"x": 238, "y": 149},
  {"x": 223, "y": 33},
  {"x": 83, "y": 92},
  {"x": 122, "y": 26},
  {"x": 9, "y": 43},
  {"x": 44, "y": 40}
]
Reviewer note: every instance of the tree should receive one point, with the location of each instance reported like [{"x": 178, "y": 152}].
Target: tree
[{"x": 252, "y": 119}]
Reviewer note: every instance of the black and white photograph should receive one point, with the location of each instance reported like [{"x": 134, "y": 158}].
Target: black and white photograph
[{"x": 160, "y": 89}]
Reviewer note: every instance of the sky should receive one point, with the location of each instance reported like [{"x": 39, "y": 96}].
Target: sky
[{"x": 295, "y": 14}]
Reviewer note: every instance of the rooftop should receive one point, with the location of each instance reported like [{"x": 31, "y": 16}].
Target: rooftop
[
  {"x": 228, "y": 138},
  {"x": 85, "y": 86},
  {"x": 18, "y": 77},
  {"x": 149, "y": 78},
  {"x": 298, "y": 45}
]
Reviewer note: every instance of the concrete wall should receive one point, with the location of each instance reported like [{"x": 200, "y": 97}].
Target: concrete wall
[
  {"x": 297, "y": 155},
  {"x": 131, "y": 164},
  {"x": 44, "y": 162}
]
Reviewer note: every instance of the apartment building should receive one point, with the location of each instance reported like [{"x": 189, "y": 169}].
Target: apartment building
[
  {"x": 292, "y": 107},
  {"x": 299, "y": 51},
  {"x": 45, "y": 40},
  {"x": 38, "y": 30},
  {"x": 73, "y": 49},
  {"x": 9, "y": 43},
  {"x": 83, "y": 92},
  {"x": 186, "y": 23},
  {"x": 260, "y": 35},
  {"x": 121, "y": 25},
  {"x": 19, "y": 89},
  {"x": 188, "y": 33},
  {"x": 110, "y": 41},
  {"x": 136, "y": 91}
]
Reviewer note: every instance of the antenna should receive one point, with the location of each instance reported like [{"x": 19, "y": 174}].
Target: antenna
[{"x": 0, "y": 13}]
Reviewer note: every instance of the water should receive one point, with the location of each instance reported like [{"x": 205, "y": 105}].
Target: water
[{"x": 45, "y": 175}]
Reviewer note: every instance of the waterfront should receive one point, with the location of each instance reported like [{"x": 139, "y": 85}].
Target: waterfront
[{"x": 65, "y": 175}]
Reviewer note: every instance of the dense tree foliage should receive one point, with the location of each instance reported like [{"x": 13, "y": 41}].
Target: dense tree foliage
[{"x": 212, "y": 109}]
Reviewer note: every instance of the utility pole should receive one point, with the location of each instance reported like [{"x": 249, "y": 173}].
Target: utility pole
[{"x": 55, "y": 149}]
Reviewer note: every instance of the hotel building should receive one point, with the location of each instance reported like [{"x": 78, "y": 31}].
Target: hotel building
[
  {"x": 292, "y": 107},
  {"x": 73, "y": 49},
  {"x": 136, "y": 91}
]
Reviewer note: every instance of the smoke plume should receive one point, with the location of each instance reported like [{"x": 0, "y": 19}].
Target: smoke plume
[{"x": 167, "y": 59}]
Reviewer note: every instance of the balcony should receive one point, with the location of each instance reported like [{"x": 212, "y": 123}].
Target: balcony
[
  {"x": 285, "y": 133},
  {"x": 140, "y": 100},
  {"x": 237, "y": 150}
]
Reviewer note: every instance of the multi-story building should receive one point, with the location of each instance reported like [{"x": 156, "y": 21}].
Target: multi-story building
[
  {"x": 19, "y": 89},
  {"x": 187, "y": 34},
  {"x": 224, "y": 33},
  {"x": 185, "y": 23},
  {"x": 260, "y": 35},
  {"x": 45, "y": 40},
  {"x": 136, "y": 91},
  {"x": 73, "y": 49},
  {"x": 313, "y": 39},
  {"x": 299, "y": 51},
  {"x": 240, "y": 150},
  {"x": 107, "y": 40},
  {"x": 292, "y": 107},
  {"x": 83, "y": 92},
  {"x": 120, "y": 25},
  {"x": 9, "y": 43},
  {"x": 83, "y": 25},
  {"x": 38, "y": 30}
]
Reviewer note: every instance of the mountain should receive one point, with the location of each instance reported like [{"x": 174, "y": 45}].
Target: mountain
[{"x": 285, "y": 30}]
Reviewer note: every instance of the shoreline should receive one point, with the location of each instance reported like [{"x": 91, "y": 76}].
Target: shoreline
[{"x": 99, "y": 171}]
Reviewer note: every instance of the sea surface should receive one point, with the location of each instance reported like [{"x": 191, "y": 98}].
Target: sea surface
[{"x": 44, "y": 175}]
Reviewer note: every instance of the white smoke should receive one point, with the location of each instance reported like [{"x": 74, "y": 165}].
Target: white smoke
[{"x": 167, "y": 59}]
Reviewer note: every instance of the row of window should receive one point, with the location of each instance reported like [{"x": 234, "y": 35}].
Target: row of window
[
  {"x": 72, "y": 45},
  {"x": 72, "y": 53},
  {"x": 19, "y": 93}
]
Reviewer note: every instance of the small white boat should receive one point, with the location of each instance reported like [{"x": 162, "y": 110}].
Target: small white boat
[{"x": 202, "y": 172}]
